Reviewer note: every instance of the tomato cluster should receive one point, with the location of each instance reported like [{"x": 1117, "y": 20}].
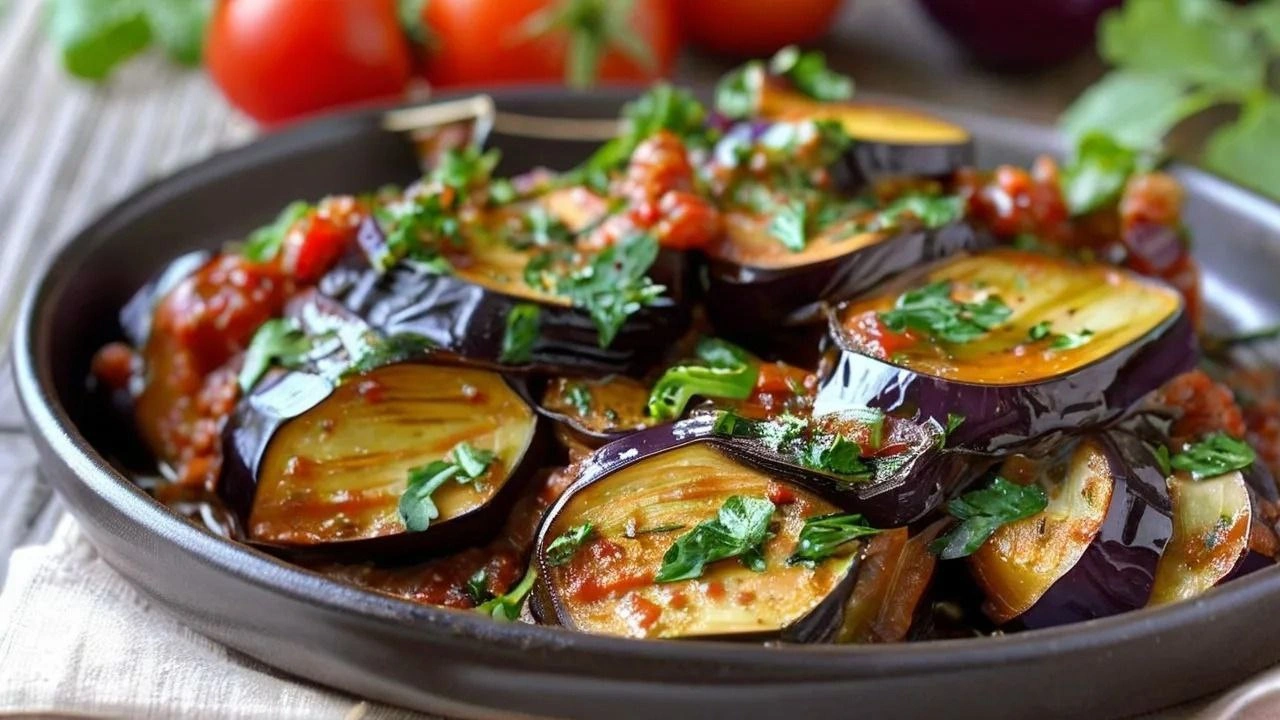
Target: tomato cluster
[{"x": 285, "y": 59}]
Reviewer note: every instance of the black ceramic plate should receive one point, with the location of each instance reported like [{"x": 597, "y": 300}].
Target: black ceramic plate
[{"x": 461, "y": 664}]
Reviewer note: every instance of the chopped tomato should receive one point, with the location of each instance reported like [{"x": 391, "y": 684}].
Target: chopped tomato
[
  {"x": 315, "y": 242},
  {"x": 875, "y": 338},
  {"x": 1207, "y": 406},
  {"x": 779, "y": 377},
  {"x": 113, "y": 365}
]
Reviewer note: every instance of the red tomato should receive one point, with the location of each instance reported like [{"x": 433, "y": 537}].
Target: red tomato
[
  {"x": 754, "y": 27},
  {"x": 278, "y": 59},
  {"x": 489, "y": 42}
]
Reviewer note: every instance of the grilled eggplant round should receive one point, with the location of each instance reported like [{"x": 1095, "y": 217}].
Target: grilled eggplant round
[
  {"x": 1016, "y": 347},
  {"x": 314, "y": 468}
]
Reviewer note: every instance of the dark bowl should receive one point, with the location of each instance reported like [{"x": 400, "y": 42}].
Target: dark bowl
[{"x": 459, "y": 663}]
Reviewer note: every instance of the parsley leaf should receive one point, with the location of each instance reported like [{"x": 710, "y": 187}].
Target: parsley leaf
[
  {"x": 478, "y": 587},
  {"x": 264, "y": 243},
  {"x": 1135, "y": 109},
  {"x": 932, "y": 211},
  {"x": 663, "y": 107},
  {"x": 1096, "y": 176},
  {"x": 562, "y": 549},
  {"x": 417, "y": 226},
  {"x": 276, "y": 341},
  {"x": 982, "y": 512},
  {"x": 416, "y": 507},
  {"x": 808, "y": 72},
  {"x": 467, "y": 463},
  {"x": 472, "y": 462},
  {"x": 1071, "y": 341},
  {"x": 388, "y": 351},
  {"x": 929, "y": 309},
  {"x": 727, "y": 372},
  {"x": 95, "y": 36},
  {"x": 807, "y": 443},
  {"x": 506, "y": 607},
  {"x": 521, "y": 333},
  {"x": 739, "y": 529},
  {"x": 580, "y": 398},
  {"x": 823, "y": 535},
  {"x": 1215, "y": 455},
  {"x": 466, "y": 167},
  {"x": 1040, "y": 330},
  {"x": 1247, "y": 150},
  {"x": 615, "y": 284},
  {"x": 788, "y": 225}
]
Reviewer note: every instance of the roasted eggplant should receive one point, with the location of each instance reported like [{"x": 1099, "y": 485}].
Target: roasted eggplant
[
  {"x": 605, "y": 549},
  {"x": 594, "y": 411},
  {"x": 894, "y": 578},
  {"x": 318, "y": 469},
  {"x": 1012, "y": 348},
  {"x": 758, "y": 285},
  {"x": 1211, "y": 527}
]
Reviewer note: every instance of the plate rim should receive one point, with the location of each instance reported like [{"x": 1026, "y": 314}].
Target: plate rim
[{"x": 51, "y": 424}]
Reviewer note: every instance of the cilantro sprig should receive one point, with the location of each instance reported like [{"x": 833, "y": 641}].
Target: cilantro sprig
[
  {"x": 739, "y": 530},
  {"x": 1212, "y": 456},
  {"x": 931, "y": 310},
  {"x": 725, "y": 371},
  {"x": 981, "y": 512},
  {"x": 1174, "y": 59}
]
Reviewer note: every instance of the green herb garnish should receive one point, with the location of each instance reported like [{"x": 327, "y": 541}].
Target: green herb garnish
[
  {"x": 931, "y": 310},
  {"x": 726, "y": 371},
  {"x": 562, "y": 549},
  {"x": 788, "y": 225},
  {"x": 808, "y": 73},
  {"x": 1071, "y": 341},
  {"x": 521, "y": 333},
  {"x": 739, "y": 529},
  {"x": 823, "y": 535},
  {"x": 506, "y": 607},
  {"x": 478, "y": 587},
  {"x": 264, "y": 243},
  {"x": 615, "y": 284},
  {"x": 932, "y": 211},
  {"x": 1098, "y": 171},
  {"x": 276, "y": 341},
  {"x": 1040, "y": 330},
  {"x": 95, "y": 36},
  {"x": 389, "y": 351},
  {"x": 465, "y": 168},
  {"x": 580, "y": 398},
  {"x": 416, "y": 507},
  {"x": 982, "y": 512},
  {"x": 663, "y": 107},
  {"x": 1215, "y": 455}
]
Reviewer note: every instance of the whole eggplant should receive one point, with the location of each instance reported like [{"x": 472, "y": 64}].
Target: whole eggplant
[{"x": 1019, "y": 35}]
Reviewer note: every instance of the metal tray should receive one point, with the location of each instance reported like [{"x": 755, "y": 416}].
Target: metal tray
[{"x": 461, "y": 664}]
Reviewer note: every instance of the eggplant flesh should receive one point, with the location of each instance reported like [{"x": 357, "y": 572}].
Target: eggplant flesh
[
  {"x": 1211, "y": 524},
  {"x": 323, "y": 467},
  {"x": 598, "y": 410},
  {"x": 1020, "y": 561},
  {"x": 1124, "y": 337},
  {"x": 1116, "y": 571},
  {"x": 636, "y": 514}
]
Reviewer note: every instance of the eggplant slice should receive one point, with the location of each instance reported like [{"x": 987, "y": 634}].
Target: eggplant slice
[
  {"x": 753, "y": 290},
  {"x": 1080, "y": 345},
  {"x": 318, "y": 469},
  {"x": 888, "y": 141},
  {"x": 1211, "y": 524},
  {"x": 637, "y": 512},
  {"x": 597, "y": 411}
]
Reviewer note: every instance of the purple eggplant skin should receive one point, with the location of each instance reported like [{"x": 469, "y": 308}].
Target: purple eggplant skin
[
  {"x": 1019, "y": 35},
  {"x": 470, "y": 320},
  {"x": 1028, "y": 418},
  {"x": 284, "y": 395},
  {"x": 135, "y": 316},
  {"x": 867, "y": 161},
  {"x": 743, "y": 301},
  {"x": 1116, "y": 572}
]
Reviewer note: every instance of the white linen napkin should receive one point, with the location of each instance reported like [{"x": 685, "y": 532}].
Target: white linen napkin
[{"x": 77, "y": 639}]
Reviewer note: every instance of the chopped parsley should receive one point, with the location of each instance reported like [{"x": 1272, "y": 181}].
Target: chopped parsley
[
  {"x": 507, "y": 606},
  {"x": 739, "y": 530},
  {"x": 580, "y": 398},
  {"x": 389, "y": 351},
  {"x": 264, "y": 243},
  {"x": 615, "y": 284},
  {"x": 807, "y": 443},
  {"x": 808, "y": 73},
  {"x": 1071, "y": 341},
  {"x": 521, "y": 333},
  {"x": 416, "y": 507},
  {"x": 823, "y": 535},
  {"x": 932, "y": 211},
  {"x": 465, "y": 168},
  {"x": 788, "y": 225},
  {"x": 982, "y": 512},
  {"x": 1216, "y": 454},
  {"x": 478, "y": 587},
  {"x": 276, "y": 341},
  {"x": 931, "y": 310},
  {"x": 725, "y": 371},
  {"x": 1040, "y": 330},
  {"x": 562, "y": 549},
  {"x": 417, "y": 226}
]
